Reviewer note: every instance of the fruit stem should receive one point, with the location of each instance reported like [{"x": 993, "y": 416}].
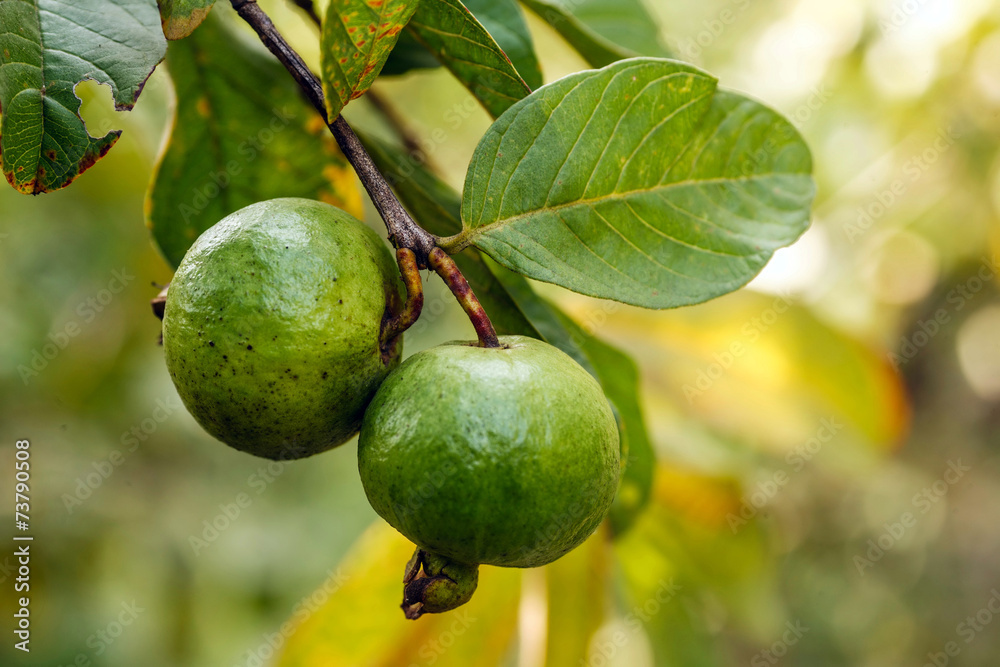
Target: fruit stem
[
  {"x": 404, "y": 232},
  {"x": 445, "y": 267},
  {"x": 410, "y": 312}
]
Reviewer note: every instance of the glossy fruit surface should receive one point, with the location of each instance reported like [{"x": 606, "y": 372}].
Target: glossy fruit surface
[
  {"x": 504, "y": 456},
  {"x": 272, "y": 327}
]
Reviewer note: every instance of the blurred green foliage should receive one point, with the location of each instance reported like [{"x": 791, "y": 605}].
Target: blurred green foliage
[{"x": 796, "y": 424}]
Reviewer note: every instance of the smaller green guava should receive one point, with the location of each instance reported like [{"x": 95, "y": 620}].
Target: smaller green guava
[
  {"x": 273, "y": 327},
  {"x": 505, "y": 456}
]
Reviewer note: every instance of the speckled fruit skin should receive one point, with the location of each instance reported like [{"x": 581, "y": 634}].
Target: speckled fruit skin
[
  {"x": 502, "y": 456},
  {"x": 272, "y": 323}
]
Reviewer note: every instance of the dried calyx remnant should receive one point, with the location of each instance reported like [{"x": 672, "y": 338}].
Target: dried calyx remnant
[{"x": 433, "y": 584}]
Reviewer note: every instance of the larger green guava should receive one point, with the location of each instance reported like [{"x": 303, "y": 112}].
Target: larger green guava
[
  {"x": 505, "y": 456},
  {"x": 273, "y": 327}
]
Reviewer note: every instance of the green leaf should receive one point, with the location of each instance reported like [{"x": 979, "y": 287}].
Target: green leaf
[
  {"x": 48, "y": 47},
  {"x": 358, "y": 36},
  {"x": 181, "y": 17},
  {"x": 460, "y": 42},
  {"x": 603, "y": 31},
  {"x": 504, "y": 21},
  {"x": 408, "y": 55},
  {"x": 639, "y": 182},
  {"x": 241, "y": 133}
]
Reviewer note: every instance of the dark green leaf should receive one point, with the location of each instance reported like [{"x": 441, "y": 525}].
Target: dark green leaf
[
  {"x": 460, "y": 42},
  {"x": 46, "y": 49},
  {"x": 181, "y": 17},
  {"x": 504, "y": 20},
  {"x": 639, "y": 182},
  {"x": 408, "y": 55},
  {"x": 358, "y": 36},
  {"x": 501, "y": 18},
  {"x": 602, "y": 31},
  {"x": 625, "y": 23},
  {"x": 595, "y": 49},
  {"x": 242, "y": 133}
]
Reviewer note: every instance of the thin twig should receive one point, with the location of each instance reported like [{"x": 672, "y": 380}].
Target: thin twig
[
  {"x": 403, "y": 231},
  {"x": 445, "y": 267}
]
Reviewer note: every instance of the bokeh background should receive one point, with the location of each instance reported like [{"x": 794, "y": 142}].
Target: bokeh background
[{"x": 828, "y": 486}]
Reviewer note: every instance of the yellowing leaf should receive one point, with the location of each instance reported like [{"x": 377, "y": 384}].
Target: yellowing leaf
[{"x": 362, "y": 625}]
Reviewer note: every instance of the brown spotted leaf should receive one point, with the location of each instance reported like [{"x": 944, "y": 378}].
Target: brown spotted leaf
[{"x": 358, "y": 36}]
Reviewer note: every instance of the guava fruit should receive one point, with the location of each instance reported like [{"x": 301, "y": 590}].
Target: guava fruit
[
  {"x": 273, "y": 327},
  {"x": 505, "y": 456}
]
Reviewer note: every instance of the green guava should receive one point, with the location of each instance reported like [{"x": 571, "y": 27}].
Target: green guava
[
  {"x": 273, "y": 327},
  {"x": 504, "y": 456}
]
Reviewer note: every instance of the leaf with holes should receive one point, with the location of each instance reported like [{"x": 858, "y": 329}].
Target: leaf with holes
[
  {"x": 640, "y": 182},
  {"x": 460, "y": 42},
  {"x": 181, "y": 17},
  {"x": 241, "y": 134},
  {"x": 358, "y": 36},
  {"x": 602, "y": 31},
  {"x": 47, "y": 47}
]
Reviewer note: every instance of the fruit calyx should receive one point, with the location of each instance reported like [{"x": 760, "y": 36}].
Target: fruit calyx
[{"x": 433, "y": 584}]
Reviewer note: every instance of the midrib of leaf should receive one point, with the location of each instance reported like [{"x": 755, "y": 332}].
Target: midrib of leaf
[
  {"x": 583, "y": 131},
  {"x": 468, "y": 236}
]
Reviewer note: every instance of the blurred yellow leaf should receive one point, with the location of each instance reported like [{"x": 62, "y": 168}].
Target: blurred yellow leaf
[
  {"x": 577, "y": 585},
  {"x": 362, "y": 625},
  {"x": 759, "y": 367}
]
